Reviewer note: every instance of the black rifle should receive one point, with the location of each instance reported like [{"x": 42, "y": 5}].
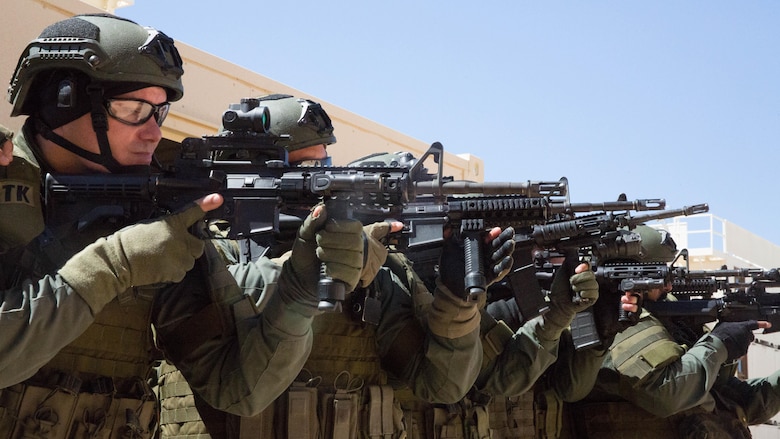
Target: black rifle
[
  {"x": 424, "y": 220},
  {"x": 729, "y": 295},
  {"x": 600, "y": 237},
  {"x": 259, "y": 189}
]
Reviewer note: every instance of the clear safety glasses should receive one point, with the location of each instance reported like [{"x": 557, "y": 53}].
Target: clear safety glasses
[{"x": 136, "y": 111}]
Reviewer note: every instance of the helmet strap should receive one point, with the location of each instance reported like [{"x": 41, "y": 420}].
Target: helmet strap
[
  {"x": 47, "y": 133},
  {"x": 100, "y": 126}
]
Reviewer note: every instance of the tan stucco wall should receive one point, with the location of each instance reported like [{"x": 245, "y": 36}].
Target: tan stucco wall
[{"x": 211, "y": 85}]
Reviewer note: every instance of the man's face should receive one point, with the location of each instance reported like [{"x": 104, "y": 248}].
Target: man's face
[
  {"x": 314, "y": 152},
  {"x": 130, "y": 145}
]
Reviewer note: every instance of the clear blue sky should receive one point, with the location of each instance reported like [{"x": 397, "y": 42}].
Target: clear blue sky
[{"x": 658, "y": 99}]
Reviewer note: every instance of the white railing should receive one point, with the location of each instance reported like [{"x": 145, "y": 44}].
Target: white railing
[{"x": 709, "y": 237}]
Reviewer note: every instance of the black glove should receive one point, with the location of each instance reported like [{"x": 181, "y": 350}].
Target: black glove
[
  {"x": 736, "y": 336},
  {"x": 570, "y": 293},
  {"x": 496, "y": 261}
]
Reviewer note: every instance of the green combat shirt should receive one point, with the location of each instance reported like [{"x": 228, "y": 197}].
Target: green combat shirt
[
  {"x": 671, "y": 383},
  {"x": 521, "y": 359},
  {"x": 398, "y": 350},
  {"x": 424, "y": 363},
  {"x": 242, "y": 370}
]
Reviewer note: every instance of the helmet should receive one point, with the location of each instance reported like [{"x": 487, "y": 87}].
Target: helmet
[
  {"x": 109, "y": 50},
  {"x": 657, "y": 244},
  {"x": 304, "y": 121},
  {"x": 76, "y": 63}
]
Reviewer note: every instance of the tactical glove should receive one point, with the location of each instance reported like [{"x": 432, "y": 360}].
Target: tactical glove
[
  {"x": 568, "y": 296},
  {"x": 736, "y": 336},
  {"x": 336, "y": 243},
  {"x": 451, "y": 315},
  {"x": 375, "y": 253},
  {"x": 496, "y": 262},
  {"x": 147, "y": 253}
]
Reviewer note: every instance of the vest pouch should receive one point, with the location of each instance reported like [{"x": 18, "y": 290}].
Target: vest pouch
[
  {"x": 340, "y": 414},
  {"x": 512, "y": 417},
  {"x": 413, "y": 412},
  {"x": 498, "y": 417},
  {"x": 135, "y": 419},
  {"x": 298, "y": 412},
  {"x": 44, "y": 413},
  {"x": 413, "y": 424},
  {"x": 260, "y": 425},
  {"x": 446, "y": 422},
  {"x": 10, "y": 399},
  {"x": 621, "y": 419},
  {"x": 378, "y": 417},
  {"x": 477, "y": 424},
  {"x": 136, "y": 413},
  {"x": 93, "y": 417}
]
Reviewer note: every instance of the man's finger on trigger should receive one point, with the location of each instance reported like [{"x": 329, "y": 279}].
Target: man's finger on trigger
[
  {"x": 396, "y": 226},
  {"x": 581, "y": 268},
  {"x": 379, "y": 230},
  {"x": 210, "y": 202},
  {"x": 492, "y": 235}
]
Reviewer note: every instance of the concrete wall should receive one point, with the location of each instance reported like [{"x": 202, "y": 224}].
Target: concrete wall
[{"x": 212, "y": 84}]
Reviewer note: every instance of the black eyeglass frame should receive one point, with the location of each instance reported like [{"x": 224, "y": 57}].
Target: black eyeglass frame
[{"x": 159, "y": 111}]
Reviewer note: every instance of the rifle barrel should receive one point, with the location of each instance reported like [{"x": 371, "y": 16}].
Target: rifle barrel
[{"x": 527, "y": 188}]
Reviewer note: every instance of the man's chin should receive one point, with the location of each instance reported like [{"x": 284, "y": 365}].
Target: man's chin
[{"x": 138, "y": 160}]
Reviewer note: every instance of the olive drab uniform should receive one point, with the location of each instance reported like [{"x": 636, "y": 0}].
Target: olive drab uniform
[
  {"x": 96, "y": 385},
  {"x": 531, "y": 405},
  {"x": 19, "y": 198},
  {"x": 348, "y": 386},
  {"x": 634, "y": 356}
]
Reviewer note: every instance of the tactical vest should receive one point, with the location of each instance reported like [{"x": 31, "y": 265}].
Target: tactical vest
[
  {"x": 620, "y": 420},
  {"x": 536, "y": 414},
  {"x": 635, "y": 354},
  {"x": 344, "y": 390},
  {"x": 96, "y": 386}
]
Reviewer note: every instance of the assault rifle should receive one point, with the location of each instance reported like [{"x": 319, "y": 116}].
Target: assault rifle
[
  {"x": 728, "y": 295},
  {"x": 601, "y": 237},
  {"x": 596, "y": 237},
  {"x": 259, "y": 189},
  {"x": 421, "y": 240}
]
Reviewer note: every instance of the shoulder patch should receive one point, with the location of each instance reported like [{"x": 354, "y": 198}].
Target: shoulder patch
[{"x": 17, "y": 192}]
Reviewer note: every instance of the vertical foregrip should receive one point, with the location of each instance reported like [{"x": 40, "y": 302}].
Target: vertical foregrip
[
  {"x": 474, "y": 280},
  {"x": 331, "y": 292}
]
